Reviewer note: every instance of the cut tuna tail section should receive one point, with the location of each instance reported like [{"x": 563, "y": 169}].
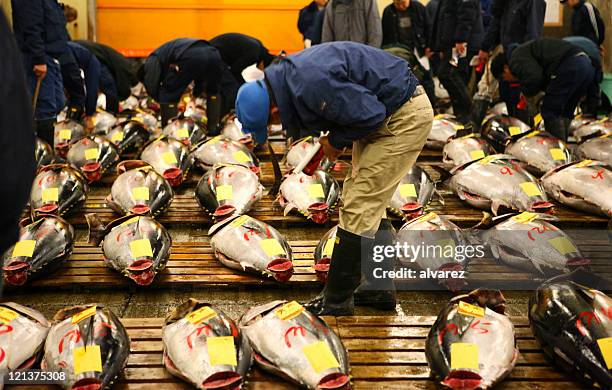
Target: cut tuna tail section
[{"x": 96, "y": 229}]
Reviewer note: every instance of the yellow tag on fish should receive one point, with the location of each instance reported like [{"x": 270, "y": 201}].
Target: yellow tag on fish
[
  {"x": 131, "y": 220},
  {"x": 563, "y": 245},
  {"x": 605, "y": 346},
  {"x": 89, "y": 312},
  {"x": 426, "y": 217},
  {"x": 439, "y": 116},
  {"x": 50, "y": 195},
  {"x": 476, "y": 154},
  {"x": 65, "y": 134},
  {"x": 241, "y": 156},
  {"x": 214, "y": 140},
  {"x": 557, "y": 154},
  {"x": 24, "y": 248},
  {"x": 137, "y": 119},
  {"x": 514, "y": 130},
  {"x": 169, "y": 158},
  {"x": 118, "y": 136},
  {"x": 240, "y": 221},
  {"x": 531, "y": 189},
  {"x": 328, "y": 249},
  {"x": 320, "y": 356},
  {"x": 486, "y": 160},
  {"x": 537, "y": 119},
  {"x": 458, "y": 127},
  {"x": 532, "y": 134},
  {"x": 289, "y": 310},
  {"x": 583, "y": 163},
  {"x": 272, "y": 247},
  {"x": 316, "y": 191},
  {"x": 525, "y": 217},
  {"x": 140, "y": 193},
  {"x": 221, "y": 350},
  {"x": 224, "y": 192},
  {"x": 7, "y": 315},
  {"x": 87, "y": 359},
  {"x": 471, "y": 135},
  {"x": 204, "y": 313},
  {"x": 471, "y": 310},
  {"x": 182, "y": 133},
  {"x": 141, "y": 248},
  {"x": 605, "y": 135},
  {"x": 92, "y": 154},
  {"x": 464, "y": 356},
  {"x": 408, "y": 190}
]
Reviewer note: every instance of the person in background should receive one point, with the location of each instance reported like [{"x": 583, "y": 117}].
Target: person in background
[
  {"x": 485, "y": 8},
  {"x": 170, "y": 69},
  {"x": 457, "y": 34},
  {"x": 587, "y": 21},
  {"x": 369, "y": 99},
  {"x": 17, "y": 137},
  {"x": 405, "y": 26},
  {"x": 561, "y": 69},
  {"x": 70, "y": 13},
  {"x": 352, "y": 20},
  {"x": 117, "y": 74},
  {"x": 310, "y": 22},
  {"x": 40, "y": 31},
  {"x": 594, "y": 99},
  {"x": 514, "y": 22}
]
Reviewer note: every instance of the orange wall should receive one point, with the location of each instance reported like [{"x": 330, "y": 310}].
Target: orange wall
[{"x": 136, "y": 27}]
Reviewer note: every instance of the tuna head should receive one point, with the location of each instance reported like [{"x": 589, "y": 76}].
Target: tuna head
[
  {"x": 472, "y": 344},
  {"x": 599, "y": 149},
  {"x": 312, "y": 196},
  {"x": 43, "y": 153},
  {"x": 246, "y": 244},
  {"x": 500, "y": 130},
  {"x": 43, "y": 246},
  {"x": 583, "y": 185},
  {"x": 170, "y": 158},
  {"x": 228, "y": 189},
  {"x": 57, "y": 189},
  {"x": 129, "y": 135},
  {"x": 23, "y": 335},
  {"x": 89, "y": 345},
  {"x": 204, "y": 346},
  {"x": 233, "y": 131},
  {"x": 186, "y": 130},
  {"x": 497, "y": 182},
  {"x": 93, "y": 156},
  {"x": 219, "y": 150},
  {"x": 66, "y": 133},
  {"x": 443, "y": 128},
  {"x": 413, "y": 194},
  {"x": 138, "y": 247},
  {"x": 140, "y": 190},
  {"x": 539, "y": 152},
  {"x": 291, "y": 342},
  {"x": 462, "y": 150}
]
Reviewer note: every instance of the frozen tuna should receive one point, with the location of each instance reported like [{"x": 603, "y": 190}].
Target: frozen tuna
[
  {"x": 93, "y": 156},
  {"x": 413, "y": 194},
  {"x": 186, "y": 130},
  {"x": 233, "y": 131},
  {"x": 312, "y": 196},
  {"x": 443, "y": 128},
  {"x": 599, "y": 149},
  {"x": 462, "y": 150},
  {"x": 66, "y": 133},
  {"x": 170, "y": 158},
  {"x": 129, "y": 136},
  {"x": 593, "y": 129},
  {"x": 219, "y": 150},
  {"x": 43, "y": 153},
  {"x": 539, "y": 152},
  {"x": 57, "y": 189},
  {"x": 103, "y": 122},
  {"x": 323, "y": 254},
  {"x": 500, "y": 130},
  {"x": 300, "y": 150}
]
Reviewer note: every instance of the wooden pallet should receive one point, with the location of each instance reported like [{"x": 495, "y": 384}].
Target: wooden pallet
[
  {"x": 384, "y": 352},
  {"x": 193, "y": 265}
]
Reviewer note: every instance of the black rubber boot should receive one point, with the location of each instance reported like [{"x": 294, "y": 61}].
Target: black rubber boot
[
  {"x": 374, "y": 292},
  {"x": 557, "y": 127},
  {"x": 479, "y": 111},
  {"x": 167, "y": 112},
  {"x": 344, "y": 276},
  {"x": 45, "y": 129}
]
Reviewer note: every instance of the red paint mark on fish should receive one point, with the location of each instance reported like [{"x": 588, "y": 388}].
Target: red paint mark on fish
[
  {"x": 480, "y": 326},
  {"x": 598, "y": 175},
  {"x": 294, "y": 330},
  {"x": 198, "y": 331},
  {"x": 448, "y": 328},
  {"x": 72, "y": 335}
]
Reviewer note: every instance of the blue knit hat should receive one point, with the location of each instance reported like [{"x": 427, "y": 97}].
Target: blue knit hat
[{"x": 253, "y": 109}]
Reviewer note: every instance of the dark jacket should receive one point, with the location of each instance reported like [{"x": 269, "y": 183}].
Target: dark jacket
[
  {"x": 592, "y": 50},
  {"x": 534, "y": 63},
  {"x": 583, "y": 25},
  {"x": 419, "y": 29},
  {"x": 310, "y": 22},
  {"x": 17, "y": 137},
  {"x": 121, "y": 68},
  {"x": 240, "y": 51},
  {"x": 91, "y": 68},
  {"x": 457, "y": 21},
  {"x": 350, "y": 93},
  {"x": 40, "y": 28},
  {"x": 514, "y": 21}
]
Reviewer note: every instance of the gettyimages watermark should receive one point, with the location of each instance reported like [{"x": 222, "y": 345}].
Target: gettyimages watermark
[{"x": 510, "y": 259}]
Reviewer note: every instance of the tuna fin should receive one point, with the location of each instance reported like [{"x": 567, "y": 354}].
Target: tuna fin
[
  {"x": 96, "y": 229},
  {"x": 288, "y": 208},
  {"x": 277, "y": 171}
]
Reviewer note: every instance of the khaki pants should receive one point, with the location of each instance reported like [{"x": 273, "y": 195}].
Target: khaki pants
[{"x": 380, "y": 160}]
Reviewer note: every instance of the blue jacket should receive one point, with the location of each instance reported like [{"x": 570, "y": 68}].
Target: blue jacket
[
  {"x": 91, "y": 68},
  {"x": 40, "y": 29},
  {"x": 583, "y": 25},
  {"x": 514, "y": 21},
  {"x": 345, "y": 87},
  {"x": 457, "y": 21}
]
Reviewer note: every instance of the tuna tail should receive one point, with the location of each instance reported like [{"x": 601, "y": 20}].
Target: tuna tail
[
  {"x": 493, "y": 299},
  {"x": 96, "y": 229},
  {"x": 277, "y": 171}
]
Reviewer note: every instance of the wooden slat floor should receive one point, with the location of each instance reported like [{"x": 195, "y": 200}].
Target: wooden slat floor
[
  {"x": 384, "y": 352},
  {"x": 193, "y": 264}
]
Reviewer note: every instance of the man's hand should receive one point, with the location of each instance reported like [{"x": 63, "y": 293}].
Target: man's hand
[
  {"x": 40, "y": 71},
  {"x": 331, "y": 152},
  {"x": 461, "y": 47},
  {"x": 483, "y": 56}
]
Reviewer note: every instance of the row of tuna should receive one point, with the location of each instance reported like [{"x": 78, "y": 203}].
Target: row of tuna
[{"x": 89, "y": 346}]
